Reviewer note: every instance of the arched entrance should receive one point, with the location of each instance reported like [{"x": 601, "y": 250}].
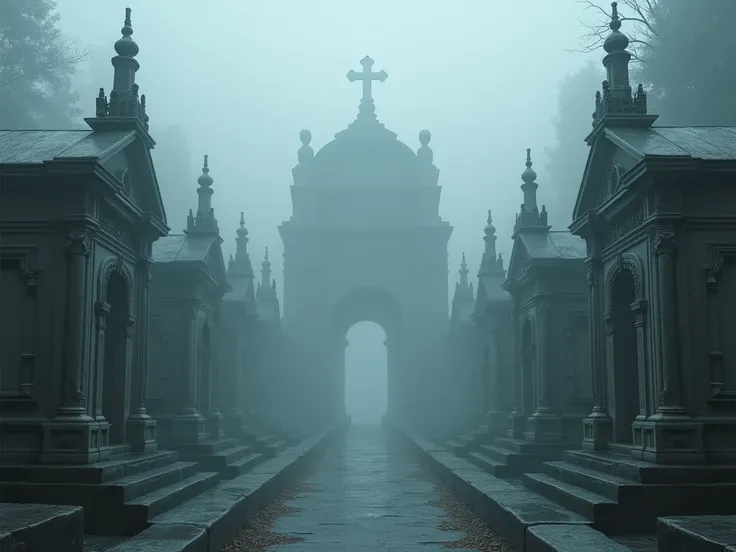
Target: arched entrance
[
  {"x": 116, "y": 329},
  {"x": 366, "y": 382},
  {"x": 624, "y": 348},
  {"x": 380, "y": 308},
  {"x": 527, "y": 369}
]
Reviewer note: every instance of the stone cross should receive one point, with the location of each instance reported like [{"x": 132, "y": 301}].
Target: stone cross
[{"x": 367, "y": 76}]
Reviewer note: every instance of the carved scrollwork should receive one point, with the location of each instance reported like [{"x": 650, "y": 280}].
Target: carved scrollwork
[
  {"x": 664, "y": 242},
  {"x": 611, "y": 182},
  {"x": 110, "y": 226},
  {"x": 115, "y": 265},
  {"x": 632, "y": 264},
  {"x": 78, "y": 242},
  {"x": 626, "y": 225}
]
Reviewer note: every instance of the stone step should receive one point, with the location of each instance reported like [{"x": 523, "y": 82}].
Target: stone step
[
  {"x": 244, "y": 465},
  {"x": 595, "y": 481},
  {"x": 521, "y": 462},
  {"x": 97, "y": 495},
  {"x": 646, "y": 472},
  {"x": 137, "y": 485},
  {"x": 138, "y": 512},
  {"x": 601, "y": 510},
  {"x": 30, "y": 527},
  {"x": 526, "y": 447},
  {"x": 218, "y": 460},
  {"x": 212, "y": 446},
  {"x": 489, "y": 465},
  {"x": 697, "y": 533},
  {"x": 101, "y": 472},
  {"x": 570, "y": 538},
  {"x": 273, "y": 448},
  {"x": 456, "y": 447}
]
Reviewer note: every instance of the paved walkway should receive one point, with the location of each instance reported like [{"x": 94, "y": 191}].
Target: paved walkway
[{"x": 365, "y": 496}]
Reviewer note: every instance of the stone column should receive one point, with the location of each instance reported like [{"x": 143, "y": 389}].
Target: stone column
[
  {"x": 543, "y": 385},
  {"x": 102, "y": 311},
  {"x": 72, "y": 437},
  {"x": 77, "y": 248},
  {"x": 215, "y": 418},
  {"x": 516, "y": 417},
  {"x": 598, "y": 426},
  {"x": 496, "y": 413},
  {"x": 670, "y": 396},
  {"x": 189, "y": 425}
]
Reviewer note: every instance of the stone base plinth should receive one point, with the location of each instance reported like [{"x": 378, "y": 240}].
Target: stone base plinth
[
  {"x": 517, "y": 425},
  {"x": 543, "y": 427},
  {"x": 597, "y": 431},
  {"x": 141, "y": 433},
  {"x": 668, "y": 440},
  {"x": 74, "y": 439},
  {"x": 189, "y": 428}
]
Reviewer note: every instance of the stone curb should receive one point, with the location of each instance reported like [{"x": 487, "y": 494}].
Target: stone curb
[
  {"x": 526, "y": 520},
  {"x": 701, "y": 533},
  {"x": 41, "y": 527},
  {"x": 206, "y": 522}
]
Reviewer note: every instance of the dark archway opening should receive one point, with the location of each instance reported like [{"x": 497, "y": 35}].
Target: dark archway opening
[
  {"x": 114, "y": 374},
  {"x": 625, "y": 356},
  {"x": 204, "y": 370},
  {"x": 527, "y": 369},
  {"x": 366, "y": 374}
]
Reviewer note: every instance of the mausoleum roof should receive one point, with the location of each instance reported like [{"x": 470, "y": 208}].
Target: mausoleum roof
[
  {"x": 182, "y": 248},
  {"x": 699, "y": 142},
  {"x": 366, "y": 153},
  {"x": 556, "y": 244},
  {"x": 38, "y": 146}
]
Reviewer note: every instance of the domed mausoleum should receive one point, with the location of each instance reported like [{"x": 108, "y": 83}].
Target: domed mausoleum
[{"x": 365, "y": 242}]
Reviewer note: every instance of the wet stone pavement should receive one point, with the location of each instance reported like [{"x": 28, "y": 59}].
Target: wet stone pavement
[{"x": 365, "y": 495}]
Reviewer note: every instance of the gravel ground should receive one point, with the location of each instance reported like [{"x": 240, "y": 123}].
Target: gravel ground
[
  {"x": 258, "y": 535},
  {"x": 478, "y": 536}
]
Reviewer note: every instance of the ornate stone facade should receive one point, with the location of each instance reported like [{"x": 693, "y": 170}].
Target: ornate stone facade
[
  {"x": 76, "y": 270},
  {"x": 546, "y": 280},
  {"x": 366, "y": 243},
  {"x": 189, "y": 282}
]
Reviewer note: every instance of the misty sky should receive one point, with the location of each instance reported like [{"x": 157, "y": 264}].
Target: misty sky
[{"x": 241, "y": 79}]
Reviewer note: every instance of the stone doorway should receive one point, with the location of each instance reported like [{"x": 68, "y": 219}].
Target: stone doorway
[
  {"x": 624, "y": 345},
  {"x": 115, "y": 374},
  {"x": 204, "y": 370},
  {"x": 527, "y": 369},
  {"x": 365, "y": 373}
]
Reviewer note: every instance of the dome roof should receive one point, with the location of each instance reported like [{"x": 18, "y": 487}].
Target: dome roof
[{"x": 366, "y": 154}]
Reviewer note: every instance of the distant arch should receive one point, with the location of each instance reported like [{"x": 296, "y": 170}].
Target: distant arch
[{"x": 367, "y": 304}]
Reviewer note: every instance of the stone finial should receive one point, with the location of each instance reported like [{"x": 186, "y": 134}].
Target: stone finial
[
  {"x": 306, "y": 153},
  {"x": 529, "y": 175},
  {"x": 616, "y": 97},
  {"x": 616, "y": 41},
  {"x": 265, "y": 271},
  {"x": 489, "y": 230},
  {"x": 242, "y": 231},
  {"x": 425, "y": 155},
  {"x": 205, "y": 179},
  {"x": 126, "y": 46}
]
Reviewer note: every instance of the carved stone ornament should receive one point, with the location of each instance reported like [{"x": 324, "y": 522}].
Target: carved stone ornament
[
  {"x": 611, "y": 182},
  {"x": 78, "y": 243},
  {"x": 126, "y": 177},
  {"x": 664, "y": 242}
]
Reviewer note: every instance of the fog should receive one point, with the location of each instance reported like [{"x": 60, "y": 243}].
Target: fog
[{"x": 239, "y": 80}]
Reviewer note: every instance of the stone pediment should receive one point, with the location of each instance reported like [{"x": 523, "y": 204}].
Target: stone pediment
[
  {"x": 133, "y": 169},
  {"x": 122, "y": 153},
  {"x": 615, "y": 151}
]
